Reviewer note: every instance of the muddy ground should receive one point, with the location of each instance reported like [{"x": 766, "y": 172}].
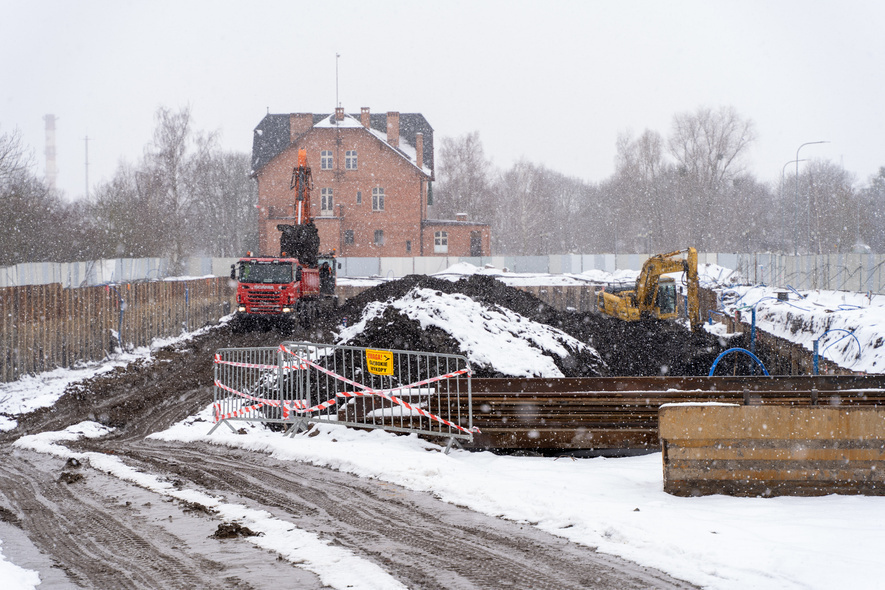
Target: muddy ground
[{"x": 81, "y": 528}]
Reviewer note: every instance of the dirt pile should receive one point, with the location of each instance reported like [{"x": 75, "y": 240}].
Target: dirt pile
[
  {"x": 395, "y": 330},
  {"x": 645, "y": 348}
]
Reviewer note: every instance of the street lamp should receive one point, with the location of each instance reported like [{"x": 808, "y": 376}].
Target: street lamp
[
  {"x": 796, "y": 216},
  {"x": 783, "y": 205}
]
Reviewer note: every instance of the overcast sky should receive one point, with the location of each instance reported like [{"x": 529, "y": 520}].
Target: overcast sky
[{"x": 553, "y": 81}]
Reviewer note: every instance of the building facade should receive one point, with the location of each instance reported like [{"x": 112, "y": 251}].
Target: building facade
[{"x": 372, "y": 185}]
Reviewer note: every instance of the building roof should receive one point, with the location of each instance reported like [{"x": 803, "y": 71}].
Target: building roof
[{"x": 272, "y": 136}]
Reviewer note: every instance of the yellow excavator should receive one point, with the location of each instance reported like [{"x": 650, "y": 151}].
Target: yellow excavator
[{"x": 654, "y": 296}]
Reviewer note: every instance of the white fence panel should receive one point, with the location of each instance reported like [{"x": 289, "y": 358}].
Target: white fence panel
[{"x": 848, "y": 272}]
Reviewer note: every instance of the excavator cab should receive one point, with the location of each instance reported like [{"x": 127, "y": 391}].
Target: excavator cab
[
  {"x": 654, "y": 295},
  {"x": 666, "y": 301}
]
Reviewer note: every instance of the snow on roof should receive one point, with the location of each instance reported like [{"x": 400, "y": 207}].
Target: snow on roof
[
  {"x": 405, "y": 149},
  {"x": 348, "y": 122}
]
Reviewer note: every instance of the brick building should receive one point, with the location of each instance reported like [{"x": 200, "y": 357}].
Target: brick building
[{"x": 372, "y": 185}]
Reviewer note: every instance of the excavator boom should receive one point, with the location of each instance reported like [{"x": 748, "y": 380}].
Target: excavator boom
[{"x": 654, "y": 296}]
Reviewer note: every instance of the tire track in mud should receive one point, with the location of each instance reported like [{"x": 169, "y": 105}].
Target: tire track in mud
[
  {"x": 422, "y": 541},
  {"x": 104, "y": 533}
]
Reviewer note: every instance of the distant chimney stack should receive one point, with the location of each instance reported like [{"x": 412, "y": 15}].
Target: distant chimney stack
[
  {"x": 419, "y": 150},
  {"x": 339, "y": 113},
  {"x": 393, "y": 128},
  {"x": 365, "y": 119},
  {"x": 460, "y": 217}
]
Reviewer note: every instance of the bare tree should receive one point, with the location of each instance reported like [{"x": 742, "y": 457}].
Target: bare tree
[
  {"x": 224, "y": 214},
  {"x": 15, "y": 159},
  {"x": 519, "y": 229},
  {"x": 464, "y": 184},
  {"x": 172, "y": 165},
  {"x": 642, "y": 201},
  {"x": 871, "y": 213},
  {"x": 832, "y": 216},
  {"x": 127, "y": 210},
  {"x": 36, "y": 225},
  {"x": 708, "y": 147},
  {"x": 184, "y": 197}
]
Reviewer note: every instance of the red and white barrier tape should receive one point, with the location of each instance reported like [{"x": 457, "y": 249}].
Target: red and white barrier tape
[
  {"x": 219, "y": 361},
  {"x": 296, "y": 405},
  {"x": 366, "y": 391}
]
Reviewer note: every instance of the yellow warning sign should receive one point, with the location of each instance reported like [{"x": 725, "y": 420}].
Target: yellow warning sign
[{"x": 380, "y": 362}]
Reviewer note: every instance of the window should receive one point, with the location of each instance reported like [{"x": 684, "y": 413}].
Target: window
[
  {"x": 377, "y": 199},
  {"x": 350, "y": 160},
  {"x": 326, "y": 203},
  {"x": 326, "y": 160},
  {"x": 263, "y": 272},
  {"x": 429, "y": 194},
  {"x": 441, "y": 242},
  {"x": 408, "y": 245},
  {"x": 379, "y": 237},
  {"x": 348, "y": 236},
  {"x": 359, "y": 197},
  {"x": 475, "y": 243}
]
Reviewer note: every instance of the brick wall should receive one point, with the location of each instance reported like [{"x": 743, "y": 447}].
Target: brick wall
[{"x": 378, "y": 167}]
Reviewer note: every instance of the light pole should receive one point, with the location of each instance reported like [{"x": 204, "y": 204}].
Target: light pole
[
  {"x": 796, "y": 216},
  {"x": 783, "y": 205}
]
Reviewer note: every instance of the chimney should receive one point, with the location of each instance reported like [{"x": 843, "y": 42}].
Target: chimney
[
  {"x": 460, "y": 217},
  {"x": 419, "y": 150},
  {"x": 299, "y": 123},
  {"x": 365, "y": 119},
  {"x": 393, "y": 128},
  {"x": 339, "y": 113}
]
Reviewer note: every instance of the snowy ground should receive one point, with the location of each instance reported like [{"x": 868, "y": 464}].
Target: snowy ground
[{"x": 616, "y": 505}]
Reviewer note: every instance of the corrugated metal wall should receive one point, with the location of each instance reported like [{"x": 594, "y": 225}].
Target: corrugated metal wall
[{"x": 848, "y": 272}]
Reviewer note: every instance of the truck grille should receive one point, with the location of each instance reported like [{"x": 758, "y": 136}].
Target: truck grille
[{"x": 264, "y": 301}]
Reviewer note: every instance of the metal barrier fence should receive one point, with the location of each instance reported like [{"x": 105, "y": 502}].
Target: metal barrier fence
[{"x": 298, "y": 383}]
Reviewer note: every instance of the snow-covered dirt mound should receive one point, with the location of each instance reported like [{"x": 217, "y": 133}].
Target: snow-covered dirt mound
[
  {"x": 495, "y": 339},
  {"x": 507, "y": 332}
]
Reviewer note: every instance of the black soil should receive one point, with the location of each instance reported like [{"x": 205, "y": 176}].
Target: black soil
[{"x": 645, "y": 348}]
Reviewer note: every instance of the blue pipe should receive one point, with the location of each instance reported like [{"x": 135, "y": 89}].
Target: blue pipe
[
  {"x": 745, "y": 351},
  {"x": 710, "y": 313},
  {"x": 816, "y": 363}
]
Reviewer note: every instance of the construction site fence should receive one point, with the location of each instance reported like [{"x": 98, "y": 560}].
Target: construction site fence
[
  {"x": 43, "y": 327},
  {"x": 301, "y": 383},
  {"x": 847, "y": 272}
]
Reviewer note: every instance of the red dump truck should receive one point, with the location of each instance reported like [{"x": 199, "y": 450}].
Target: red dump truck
[
  {"x": 281, "y": 290},
  {"x": 294, "y": 286}
]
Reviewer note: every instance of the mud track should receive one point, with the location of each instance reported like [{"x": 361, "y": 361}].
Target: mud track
[{"x": 81, "y": 528}]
